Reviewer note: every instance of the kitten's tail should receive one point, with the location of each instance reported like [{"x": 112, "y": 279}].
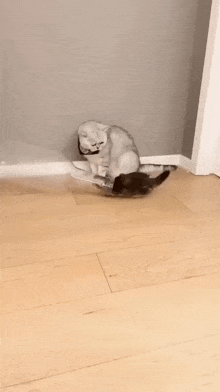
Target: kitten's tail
[
  {"x": 161, "y": 178},
  {"x": 148, "y": 168}
]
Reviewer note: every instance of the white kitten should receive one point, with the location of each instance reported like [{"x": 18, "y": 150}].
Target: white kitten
[{"x": 111, "y": 151}]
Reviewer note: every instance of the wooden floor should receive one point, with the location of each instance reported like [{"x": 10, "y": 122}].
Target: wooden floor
[{"x": 103, "y": 294}]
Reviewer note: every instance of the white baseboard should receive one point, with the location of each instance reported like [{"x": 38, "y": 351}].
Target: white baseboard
[
  {"x": 34, "y": 169},
  {"x": 162, "y": 159},
  {"x": 177, "y": 159},
  {"x": 60, "y": 168},
  {"x": 186, "y": 163}
]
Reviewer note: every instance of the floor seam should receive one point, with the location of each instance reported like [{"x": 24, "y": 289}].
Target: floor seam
[
  {"x": 112, "y": 360},
  {"x": 162, "y": 283},
  {"x": 104, "y": 273},
  {"x": 111, "y": 292}
]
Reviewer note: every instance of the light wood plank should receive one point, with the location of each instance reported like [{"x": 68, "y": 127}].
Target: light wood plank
[
  {"x": 53, "y": 282},
  {"x": 186, "y": 367},
  {"x": 198, "y": 193},
  {"x": 55, "y": 339},
  {"x": 59, "y": 314},
  {"x": 73, "y": 236},
  {"x": 146, "y": 265},
  {"x": 71, "y": 224},
  {"x": 35, "y": 185},
  {"x": 36, "y": 206}
]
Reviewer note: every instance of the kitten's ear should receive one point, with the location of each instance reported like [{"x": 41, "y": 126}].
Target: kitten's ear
[
  {"x": 103, "y": 127},
  {"x": 82, "y": 133}
]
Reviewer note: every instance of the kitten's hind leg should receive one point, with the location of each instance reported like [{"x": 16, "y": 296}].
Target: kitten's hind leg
[{"x": 127, "y": 163}]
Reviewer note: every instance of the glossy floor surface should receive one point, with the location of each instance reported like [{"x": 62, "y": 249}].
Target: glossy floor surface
[{"x": 105, "y": 294}]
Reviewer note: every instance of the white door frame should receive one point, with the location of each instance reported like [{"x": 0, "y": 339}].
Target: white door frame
[{"x": 207, "y": 133}]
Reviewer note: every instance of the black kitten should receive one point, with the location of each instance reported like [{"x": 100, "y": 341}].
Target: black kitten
[
  {"x": 135, "y": 184},
  {"x": 132, "y": 184}
]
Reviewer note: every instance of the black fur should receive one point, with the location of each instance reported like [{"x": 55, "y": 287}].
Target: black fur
[{"x": 136, "y": 183}]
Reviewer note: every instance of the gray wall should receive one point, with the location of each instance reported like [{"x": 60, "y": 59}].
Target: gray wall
[{"x": 127, "y": 62}]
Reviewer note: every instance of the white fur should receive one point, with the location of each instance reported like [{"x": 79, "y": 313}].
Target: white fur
[{"x": 117, "y": 150}]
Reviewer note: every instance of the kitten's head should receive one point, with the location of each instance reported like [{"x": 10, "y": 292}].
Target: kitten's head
[{"x": 92, "y": 137}]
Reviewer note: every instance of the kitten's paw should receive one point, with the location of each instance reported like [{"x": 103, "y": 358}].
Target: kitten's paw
[{"x": 99, "y": 180}]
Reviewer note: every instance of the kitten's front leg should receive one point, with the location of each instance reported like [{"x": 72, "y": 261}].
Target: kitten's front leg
[
  {"x": 94, "y": 169},
  {"x": 102, "y": 170}
]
